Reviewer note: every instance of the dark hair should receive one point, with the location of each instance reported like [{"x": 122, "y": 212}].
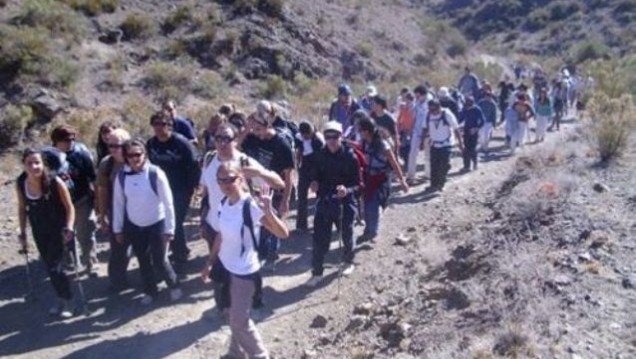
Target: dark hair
[
  {"x": 62, "y": 132},
  {"x": 305, "y": 127},
  {"x": 368, "y": 124},
  {"x": 421, "y": 90},
  {"x": 380, "y": 101},
  {"x": 162, "y": 116},
  {"x": 226, "y": 109},
  {"x": 237, "y": 119},
  {"x": 227, "y": 126},
  {"x": 45, "y": 181},
  {"x": 135, "y": 142}
]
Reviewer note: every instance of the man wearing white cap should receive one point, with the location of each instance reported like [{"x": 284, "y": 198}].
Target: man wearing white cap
[
  {"x": 366, "y": 103},
  {"x": 336, "y": 180}
]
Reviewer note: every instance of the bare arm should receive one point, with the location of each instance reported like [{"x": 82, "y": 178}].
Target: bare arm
[
  {"x": 274, "y": 225},
  {"x": 394, "y": 165},
  {"x": 65, "y": 196},
  {"x": 21, "y": 217}
]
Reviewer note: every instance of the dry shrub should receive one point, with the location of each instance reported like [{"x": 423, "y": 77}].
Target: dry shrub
[
  {"x": 136, "y": 112},
  {"x": 168, "y": 80},
  {"x": 178, "y": 17},
  {"x": 93, "y": 7},
  {"x": 13, "y": 120},
  {"x": 137, "y": 26},
  {"x": 514, "y": 343},
  {"x": 274, "y": 87},
  {"x": 55, "y": 16},
  {"x": 611, "y": 122}
]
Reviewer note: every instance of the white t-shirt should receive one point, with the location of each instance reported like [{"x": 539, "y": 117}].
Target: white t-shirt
[
  {"x": 440, "y": 131},
  {"x": 237, "y": 254},
  {"x": 208, "y": 179},
  {"x": 307, "y": 147}
]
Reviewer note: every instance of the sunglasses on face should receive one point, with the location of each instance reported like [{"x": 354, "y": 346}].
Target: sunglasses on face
[
  {"x": 223, "y": 139},
  {"x": 114, "y": 146},
  {"x": 70, "y": 139},
  {"x": 226, "y": 180},
  {"x": 161, "y": 124},
  {"x": 135, "y": 155},
  {"x": 332, "y": 137}
]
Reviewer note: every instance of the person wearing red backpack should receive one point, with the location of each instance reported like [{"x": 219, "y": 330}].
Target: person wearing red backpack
[{"x": 336, "y": 179}]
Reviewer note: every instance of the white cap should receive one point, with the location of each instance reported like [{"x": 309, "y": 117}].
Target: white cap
[
  {"x": 443, "y": 92},
  {"x": 332, "y": 126},
  {"x": 371, "y": 90}
]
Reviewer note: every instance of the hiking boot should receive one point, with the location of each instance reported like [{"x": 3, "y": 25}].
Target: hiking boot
[
  {"x": 175, "y": 294},
  {"x": 348, "y": 269},
  {"x": 147, "y": 300},
  {"x": 314, "y": 281}
]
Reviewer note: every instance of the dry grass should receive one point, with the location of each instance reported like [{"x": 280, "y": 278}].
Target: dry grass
[
  {"x": 513, "y": 343},
  {"x": 611, "y": 123},
  {"x": 13, "y": 120},
  {"x": 137, "y": 26},
  {"x": 593, "y": 267}
]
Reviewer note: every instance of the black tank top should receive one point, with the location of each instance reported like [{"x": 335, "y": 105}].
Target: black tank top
[{"x": 45, "y": 213}]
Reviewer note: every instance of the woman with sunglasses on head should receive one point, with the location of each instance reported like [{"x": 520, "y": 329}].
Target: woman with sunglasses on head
[
  {"x": 45, "y": 201},
  {"x": 177, "y": 157},
  {"x": 227, "y": 153},
  {"x": 237, "y": 252},
  {"x": 143, "y": 214},
  {"x": 107, "y": 172}
]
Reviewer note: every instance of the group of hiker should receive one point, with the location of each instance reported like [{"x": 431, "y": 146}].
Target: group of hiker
[{"x": 249, "y": 170}]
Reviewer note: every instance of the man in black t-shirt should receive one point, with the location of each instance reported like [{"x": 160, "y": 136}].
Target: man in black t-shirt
[
  {"x": 261, "y": 142},
  {"x": 386, "y": 123},
  {"x": 176, "y": 156}
]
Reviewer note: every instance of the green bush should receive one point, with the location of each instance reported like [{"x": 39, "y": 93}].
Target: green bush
[
  {"x": 94, "y": 7},
  {"x": 181, "y": 15},
  {"x": 274, "y": 87},
  {"x": 457, "y": 45},
  {"x": 365, "y": 49},
  {"x": 168, "y": 80},
  {"x": 270, "y": 7},
  {"x": 19, "y": 47},
  {"x": 208, "y": 85},
  {"x": 13, "y": 120},
  {"x": 53, "y": 15},
  {"x": 137, "y": 26},
  {"x": 561, "y": 10},
  {"x": 590, "y": 50},
  {"x": 538, "y": 19}
]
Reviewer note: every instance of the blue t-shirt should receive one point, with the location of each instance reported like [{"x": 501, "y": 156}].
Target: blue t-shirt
[{"x": 185, "y": 128}]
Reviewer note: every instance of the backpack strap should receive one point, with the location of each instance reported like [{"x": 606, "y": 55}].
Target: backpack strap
[
  {"x": 153, "y": 176},
  {"x": 249, "y": 223}
]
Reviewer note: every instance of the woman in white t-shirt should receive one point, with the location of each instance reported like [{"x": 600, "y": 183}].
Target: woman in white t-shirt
[{"x": 236, "y": 251}]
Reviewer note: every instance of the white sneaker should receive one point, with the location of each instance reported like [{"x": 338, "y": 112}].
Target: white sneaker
[
  {"x": 314, "y": 281},
  {"x": 65, "y": 310},
  {"x": 348, "y": 270},
  {"x": 146, "y": 300},
  {"x": 175, "y": 294}
]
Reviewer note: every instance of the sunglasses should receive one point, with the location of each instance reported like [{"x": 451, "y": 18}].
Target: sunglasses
[
  {"x": 70, "y": 139},
  {"x": 115, "y": 146},
  {"x": 332, "y": 137},
  {"x": 161, "y": 124},
  {"x": 226, "y": 180},
  {"x": 135, "y": 155},
  {"x": 223, "y": 139}
]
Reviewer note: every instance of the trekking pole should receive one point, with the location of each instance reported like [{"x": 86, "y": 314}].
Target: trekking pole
[
  {"x": 340, "y": 215},
  {"x": 27, "y": 269},
  {"x": 76, "y": 263}
]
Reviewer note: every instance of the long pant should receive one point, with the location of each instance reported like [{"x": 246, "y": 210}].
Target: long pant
[
  {"x": 411, "y": 164},
  {"x": 330, "y": 212},
  {"x": 245, "y": 339},
  {"x": 151, "y": 252},
  {"x": 179, "y": 245},
  {"x": 405, "y": 148},
  {"x": 485, "y": 133},
  {"x": 85, "y": 229},
  {"x": 470, "y": 150},
  {"x": 118, "y": 262},
  {"x": 519, "y": 136},
  {"x": 440, "y": 165},
  {"x": 542, "y": 126},
  {"x": 372, "y": 214},
  {"x": 304, "y": 180},
  {"x": 50, "y": 244}
]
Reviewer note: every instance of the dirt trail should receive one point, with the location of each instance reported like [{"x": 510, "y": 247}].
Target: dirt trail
[{"x": 120, "y": 327}]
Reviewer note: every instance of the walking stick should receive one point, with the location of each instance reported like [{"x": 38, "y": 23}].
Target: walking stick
[
  {"x": 78, "y": 280},
  {"x": 340, "y": 215},
  {"x": 27, "y": 269}
]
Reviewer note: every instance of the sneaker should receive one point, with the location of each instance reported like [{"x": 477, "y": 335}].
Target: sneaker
[
  {"x": 65, "y": 310},
  {"x": 175, "y": 294},
  {"x": 146, "y": 300},
  {"x": 348, "y": 269},
  {"x": 314, "y": 281}
]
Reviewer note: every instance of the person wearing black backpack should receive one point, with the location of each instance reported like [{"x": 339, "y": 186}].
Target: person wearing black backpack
[
  {"x": 237, "y": 251},
  {"x": 308, "y": 144},
  {"x": 177, "y": 157},
  {"x": 336, "y": 179},
  {"x": 45, "y": 202},
  {"x": 441, "y": 127},
  {"x": 80, "y": 170}
]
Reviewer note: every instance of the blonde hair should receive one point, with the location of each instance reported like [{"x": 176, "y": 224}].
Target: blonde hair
[
  {"x": 233, "y": 169},
  {"x": 119, "y": 134},
  {"x": 217, "y": 119}
]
